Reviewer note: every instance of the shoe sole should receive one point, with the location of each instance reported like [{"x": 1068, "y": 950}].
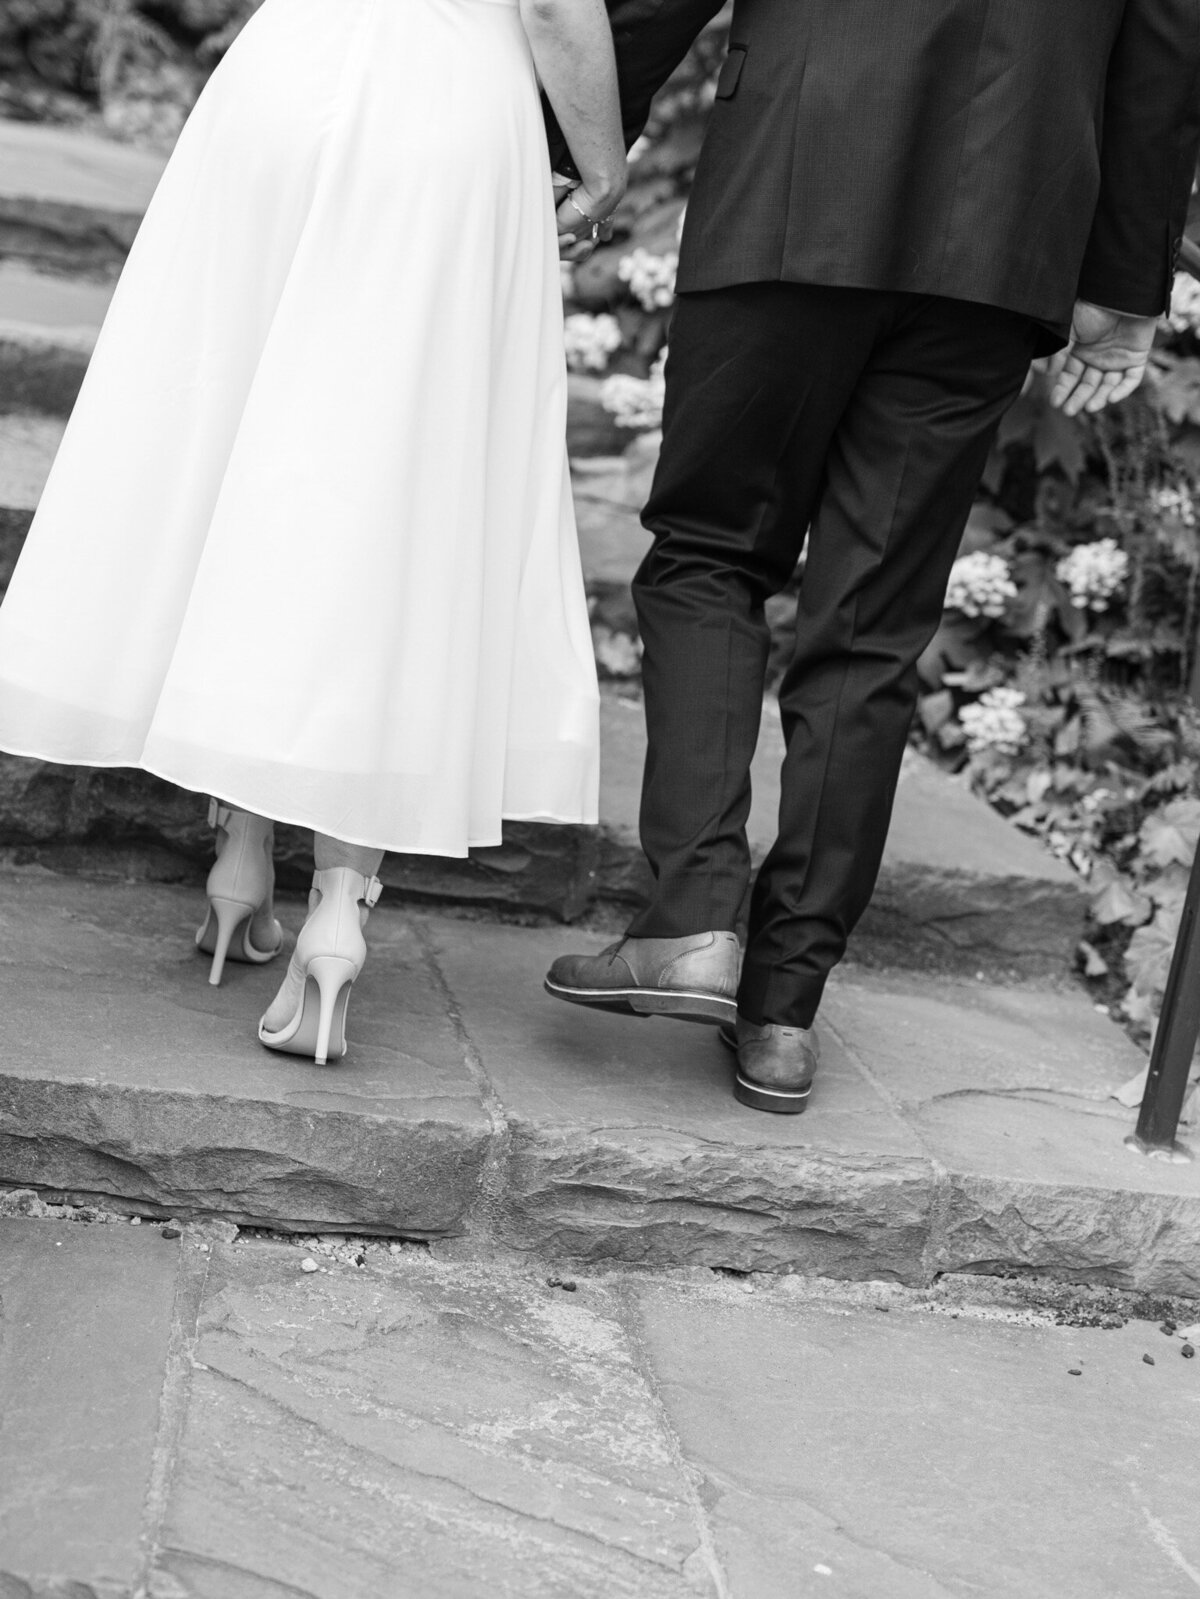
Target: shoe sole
[
  {"x": 679, "y": 1004},
  {"x": 780, "y": 1101}
]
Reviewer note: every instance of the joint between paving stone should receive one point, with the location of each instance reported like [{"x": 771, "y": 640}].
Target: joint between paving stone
[
  {"x": 942, "y": 1183},
  {"x": 491, "y": 1193},
  {"x": 191, "y": 1281},
  {"x": 629, "y": 1319}
]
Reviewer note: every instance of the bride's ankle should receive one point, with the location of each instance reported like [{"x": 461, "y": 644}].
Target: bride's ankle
[{"x": 331, "y": 853}]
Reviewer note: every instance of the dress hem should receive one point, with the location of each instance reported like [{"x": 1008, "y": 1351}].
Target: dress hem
[{"x": 444, "y": 853}]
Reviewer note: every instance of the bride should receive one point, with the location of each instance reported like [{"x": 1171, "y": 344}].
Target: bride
[{"x": 308, "y": 544}]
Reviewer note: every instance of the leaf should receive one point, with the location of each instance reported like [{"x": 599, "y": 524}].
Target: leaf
[
  {"x": 1040, "y": 597},
  {"x": 1139, "y": 1008},
  {"x": 1148, "y": 958},
  {"x": 1130, "y": 1093},
  {"x": 1067, "y": 739},
  {"x": 958, "y": 641},
  {"x": 1170, "y": 890},
  {"x": 936, "y": 710},
  {"x": 1174, "y": 387},
  {"x": 1181, "y": 541},
  {"x": 984, "y": 523},
  {"x": 1038, "y": 784},
  {"x": 1170, "y": 835},
  {"x": 1094, "y": 964},
  {"x": 1118, "y": 901}
]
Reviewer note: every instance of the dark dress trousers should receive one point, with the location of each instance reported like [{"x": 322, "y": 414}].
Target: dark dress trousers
[{"x": 896, "y": 205}]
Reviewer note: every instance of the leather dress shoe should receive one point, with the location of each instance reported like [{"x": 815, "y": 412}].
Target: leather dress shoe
[
  {"x": 692, "y": 979},
  {"x": 775, "y": 1065}
]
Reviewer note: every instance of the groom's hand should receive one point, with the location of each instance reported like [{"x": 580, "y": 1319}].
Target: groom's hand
[{"x": 1105, "y": 361}]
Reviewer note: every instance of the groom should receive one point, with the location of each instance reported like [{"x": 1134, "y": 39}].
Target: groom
[{"x": 899, "y": 205}]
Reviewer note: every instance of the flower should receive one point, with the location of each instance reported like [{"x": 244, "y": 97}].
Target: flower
[
  {"x": 651, "y": 278},
  {"x": 980, "y": 585},
  {"x": 995, "y": 723},
  {"x": 636, "y": 402},
  {"x": 1177, "y": 503},
  {"x": 1093, "y": 573},
  {"x": 590, "y": 340},
  {"x": 1184, "y": 315}
]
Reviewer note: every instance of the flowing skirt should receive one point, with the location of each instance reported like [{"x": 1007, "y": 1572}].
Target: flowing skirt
[{"x": 308, "y": 544}]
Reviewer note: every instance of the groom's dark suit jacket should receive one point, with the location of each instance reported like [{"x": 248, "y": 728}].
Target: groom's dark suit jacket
[{"x": 1012, "y": 152}]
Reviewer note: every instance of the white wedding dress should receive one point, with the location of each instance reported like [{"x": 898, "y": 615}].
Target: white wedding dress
[{"x": 308, "y": 544}]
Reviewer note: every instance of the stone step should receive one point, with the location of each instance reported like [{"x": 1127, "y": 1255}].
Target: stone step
[
  {"x": 48, "y": 329},
  {"x": 69, "y": 199},
  {"x": 956, "y": 1126},
  {"x": 959, "y": 889}
]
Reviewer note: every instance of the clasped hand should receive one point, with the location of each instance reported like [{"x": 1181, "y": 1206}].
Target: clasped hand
[{"x": 577, "y": 236}]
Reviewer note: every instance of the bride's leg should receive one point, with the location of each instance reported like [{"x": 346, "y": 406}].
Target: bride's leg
[
  {"x": 328, "y": 853},
  {"x": 263, "y": 932}
]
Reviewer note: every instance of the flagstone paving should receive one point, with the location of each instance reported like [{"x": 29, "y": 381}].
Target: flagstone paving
[{"x": 204, "y": 1417}]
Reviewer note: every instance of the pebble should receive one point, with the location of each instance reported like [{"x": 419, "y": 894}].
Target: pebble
[
  {"x": 309, "y": 1264},
  {"x": 1148, "y": 1360},
  {"x": 1074, "y": 1371},
  {"x": 564, "y": 1283},
  {"x": 1188, "y": 1352},
  {"x": 172, "y": 1232},
  {"x": 135, "y": 1221}
]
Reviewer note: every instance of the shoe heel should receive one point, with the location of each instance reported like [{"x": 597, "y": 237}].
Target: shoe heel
[
  {"x": 333, "y": 975},
  {"x": 229, "y": 915}
]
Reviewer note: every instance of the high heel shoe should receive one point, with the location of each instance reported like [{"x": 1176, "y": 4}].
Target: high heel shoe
[
  {"x": 239, "y": 885},
  {"x": 329, "y": 955}
]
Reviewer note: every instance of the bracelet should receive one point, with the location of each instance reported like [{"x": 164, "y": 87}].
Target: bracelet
[{"x": 593, "y": 222}]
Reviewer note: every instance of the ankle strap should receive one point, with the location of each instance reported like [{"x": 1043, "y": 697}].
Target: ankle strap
[{"x": 369, "y": 892}]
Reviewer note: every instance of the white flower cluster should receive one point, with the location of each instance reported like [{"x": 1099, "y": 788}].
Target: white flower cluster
[
  {"x": 1177, "y": 503},
  {"x": 979, "y": 585},
  {"x": 651, "y": 278},
  {"x": 1093, "y": 573},
  {"x": 1184, "y": 315},
  {"x": 636, "y": 402},
  {"x": 994, "y": 722},
  {"x": 590, "y": 340}
]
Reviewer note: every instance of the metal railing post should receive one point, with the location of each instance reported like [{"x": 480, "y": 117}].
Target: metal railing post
[{"x": 1175, "y": 1041}]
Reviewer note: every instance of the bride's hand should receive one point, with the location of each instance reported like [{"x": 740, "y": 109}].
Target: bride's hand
[{"x": 585, "y": 219}]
